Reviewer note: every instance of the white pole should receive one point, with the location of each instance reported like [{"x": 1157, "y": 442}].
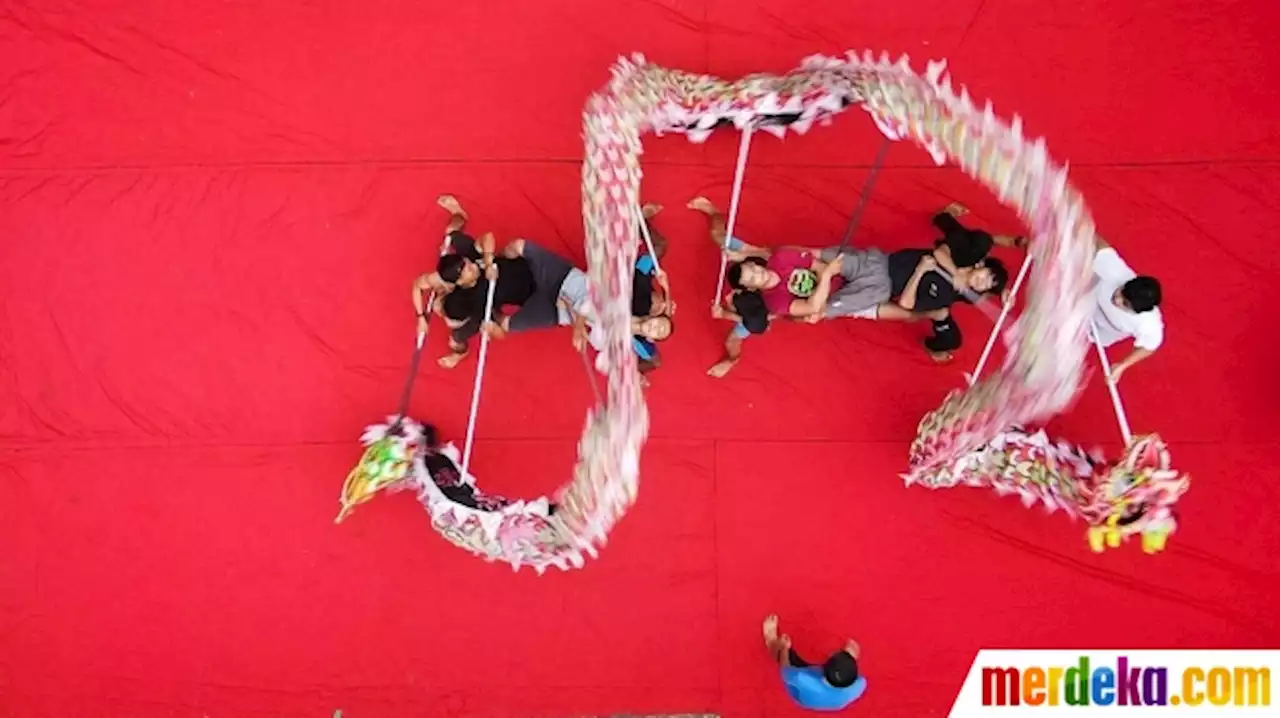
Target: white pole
[
  {"x": 475, "y": 391},
  {"x": 1004, "y": 314},
  {"x": 648, "y": 239},
  {"x": 744, "y": 147},
  {"x": 1121, "y": 417}
]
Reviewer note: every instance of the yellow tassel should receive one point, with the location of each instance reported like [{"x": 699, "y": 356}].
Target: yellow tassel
[
  {"x": 1154, "y": 542},
  {"x": 1096, "y": 538}
]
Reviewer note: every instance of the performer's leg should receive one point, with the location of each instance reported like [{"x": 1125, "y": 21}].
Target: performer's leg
[
  {"x": 947, "y": 220},
  {"x": 548, "y": 268},
  {"x": 867, "y": 283},
  {"x": 458, "y": 340},
  {"x": 890, "y": 312},
  {"x": 718, "y": 226},
  {"x": 539, "y": 312},
  {"x": 946, "y": 338},
  {"x": 732, "y": 351},
  {"x": 457, "y": 215}
]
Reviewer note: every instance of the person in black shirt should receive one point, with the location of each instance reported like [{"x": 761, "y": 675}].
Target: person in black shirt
[
  {"x": 458, "y": 264},
  {"x": 461, "y": 283},
  {"x": 920, "y": 289},
  {"x": 961, "y": 247},
  {"x": 463, "y": 307},
  {"x": 650, "y": 294}
]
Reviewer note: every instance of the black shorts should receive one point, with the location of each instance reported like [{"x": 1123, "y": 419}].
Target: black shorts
[
  {"x": 463, "y": 334},
  {"x": 549, "y": 271}
]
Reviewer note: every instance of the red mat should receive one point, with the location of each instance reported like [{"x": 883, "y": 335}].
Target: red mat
[{"x": 210, "y": 213}]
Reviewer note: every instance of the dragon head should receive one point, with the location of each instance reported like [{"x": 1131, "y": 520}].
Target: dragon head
[
  {"x": 1136, "y": 496},
  {"x": 387, "y": 460}
]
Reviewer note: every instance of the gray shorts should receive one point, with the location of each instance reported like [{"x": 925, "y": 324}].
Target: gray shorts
[
  {"x": 867, "y": 283},
  {"x": 575, "y": 290},
  {"x": 549, "y": 271}
]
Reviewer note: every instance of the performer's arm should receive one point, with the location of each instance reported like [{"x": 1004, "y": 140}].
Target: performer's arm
[
  {"x": 486, "y": 247},
  {"x": 745, "y": 250},
  {"x": 818, "y": 300},
  {"x": 429, "y": 282},
  {"x": 659, "y": 242},
  {"x": 942, "y": 255},
  {"x": 908, "y": 299},
  {"x": 1125, "y": 364},
  {"x": 579, "y": 324}
]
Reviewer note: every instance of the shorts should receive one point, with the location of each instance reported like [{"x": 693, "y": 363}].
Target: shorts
[
  {"x": 461, "y": 335},
  {"x": 867, "y": 283},
  {"x": 575, "y": 290},
  {"x": 549, "y": 272}
]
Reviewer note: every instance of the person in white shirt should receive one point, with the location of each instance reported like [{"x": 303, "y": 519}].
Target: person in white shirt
[{"x": 1128, "y": 306}]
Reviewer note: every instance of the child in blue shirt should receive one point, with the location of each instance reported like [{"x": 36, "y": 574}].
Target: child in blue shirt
[
  {"x": 651, "y": 308},
  {"x": 831, "y": 687},
  {"x": 644, "y": 303}
]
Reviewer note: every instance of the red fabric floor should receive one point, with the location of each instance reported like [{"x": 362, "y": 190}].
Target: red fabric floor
[{"x": 210, "y": 213}]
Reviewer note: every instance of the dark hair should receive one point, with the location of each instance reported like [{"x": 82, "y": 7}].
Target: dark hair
[
  {"x": 734, "y": 276},
  {"x": 641, "y": 294},
  {"x": 841, "y": 670},
  {"x": 462, "y": 304},
  {"x": 430, "y": 437},
  {"x": 450, "y": 267},
  {"x": 750, "y": 306},
  {"x": 999, "y": 275},
  {"x": 1142, "y": 293}
]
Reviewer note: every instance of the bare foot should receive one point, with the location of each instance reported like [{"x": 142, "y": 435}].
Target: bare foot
[
  {"x": 450, "y": 361},
  {"x": 703, "y": 205},
  {"x": 771, "y": 629},
  {"x": 650, "y": 210},
  {"x": 719, "y": 370},
  {"x": 450, "y": 204},
  {"x": 941, "y": 357},
  {"x": 955, "y": 209}
]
